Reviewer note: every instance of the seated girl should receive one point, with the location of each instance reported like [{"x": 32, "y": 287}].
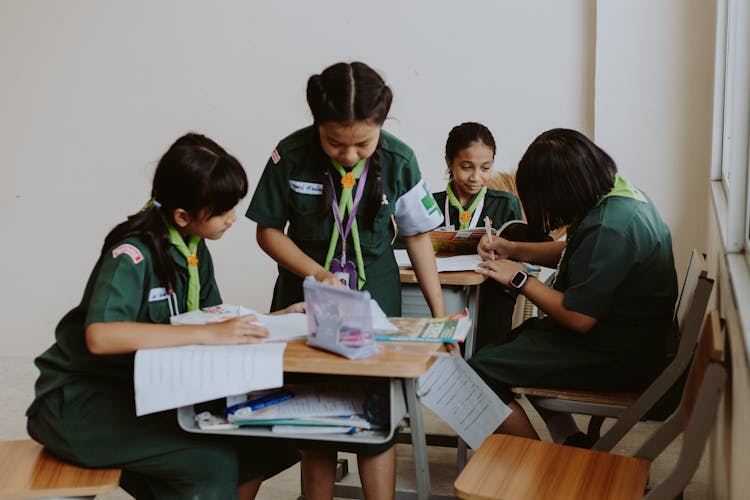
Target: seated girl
[
  {"x": 154, "y": 265},
  {"x": 466, "y": 201},
  {"x": 609, "y": 311}
]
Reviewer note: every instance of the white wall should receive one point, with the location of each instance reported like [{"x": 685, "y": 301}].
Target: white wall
[
  {"x": 92, "y": 93},
  {"x": 653, "y": 106}
]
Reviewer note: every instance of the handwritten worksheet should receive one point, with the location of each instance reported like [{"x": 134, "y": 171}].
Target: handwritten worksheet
[
  {"x": 462, "y": 399},
  {"x": 179, "y": 376}
]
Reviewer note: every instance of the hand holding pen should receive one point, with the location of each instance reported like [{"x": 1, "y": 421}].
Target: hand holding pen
[{"x": 488, "y": 228}]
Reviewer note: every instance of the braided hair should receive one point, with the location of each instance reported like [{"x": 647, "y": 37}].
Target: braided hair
[{"x": 347, "y": 93}]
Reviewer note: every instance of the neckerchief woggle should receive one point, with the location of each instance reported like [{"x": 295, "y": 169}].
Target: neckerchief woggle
[
  {"x": 345, "y": 270},
  {"x": 468, "y": 217},
  {"x": 189, "y": 252}
]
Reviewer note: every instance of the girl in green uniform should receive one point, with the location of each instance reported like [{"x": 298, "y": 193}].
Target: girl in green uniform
[
  {"x": 609, "y": 310},
  {"x": 466, "y": 201},
  {"x": 152, "y": 266},
  {"x": 344, "y": 185}
]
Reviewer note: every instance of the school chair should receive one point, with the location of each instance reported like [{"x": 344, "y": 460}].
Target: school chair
[
  {"x": 28, "y": 470},
  {"x": 510, "y": 467},
  {"x": 630, "y": 408}
]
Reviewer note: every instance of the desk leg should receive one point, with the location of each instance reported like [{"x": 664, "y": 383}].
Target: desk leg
[
  {"x": 472, "y": 304},
  {"x": 418, "y": 440}
]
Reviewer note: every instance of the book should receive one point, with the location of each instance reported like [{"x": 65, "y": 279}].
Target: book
[
  {"x": 346, "y": 421},
  {"x": 465, "y": 241},
  {"x": 453, "y": 328},
  {"x": 207, "y": 315}
]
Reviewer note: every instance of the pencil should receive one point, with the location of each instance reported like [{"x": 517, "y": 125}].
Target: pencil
[{"x": 488, "y": 228}]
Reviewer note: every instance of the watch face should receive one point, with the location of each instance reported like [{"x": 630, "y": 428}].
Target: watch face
[{"x": 519, "y": 279}]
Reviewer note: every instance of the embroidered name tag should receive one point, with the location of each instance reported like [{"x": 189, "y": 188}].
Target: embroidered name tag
[
  {"x": 306, "y": 187},
  {"x": 129, "y": 250},
  {"x": 156, "y": 294}
]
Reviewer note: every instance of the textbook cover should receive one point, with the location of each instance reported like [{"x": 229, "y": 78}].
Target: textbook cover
[
  {"x": 465, "y": 241},
  {"x": 453, "y": 328}
]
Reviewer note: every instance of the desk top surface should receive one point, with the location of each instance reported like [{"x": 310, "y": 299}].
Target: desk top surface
[
  {"x": 446, "y": 278},
  {"x": 394, "y": 359}
]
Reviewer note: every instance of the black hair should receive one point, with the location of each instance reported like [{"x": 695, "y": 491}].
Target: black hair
[
  {"x": 464, "y": 135},
  {"x": 347, "y": 93},
  {"x": 560, "y": 177},
  {"x": 196, "y": 175}
]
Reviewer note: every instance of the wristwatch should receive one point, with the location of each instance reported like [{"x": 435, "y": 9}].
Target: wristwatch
[{"x": 519, "y": 280}]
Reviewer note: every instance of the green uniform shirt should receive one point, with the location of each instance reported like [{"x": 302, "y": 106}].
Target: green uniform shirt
[
  {"x": 618, "y": 266},
  {"x": 500, "y": 206},
  {"x": 122, "y": 287},
  {"x": 290, "y": 191}
]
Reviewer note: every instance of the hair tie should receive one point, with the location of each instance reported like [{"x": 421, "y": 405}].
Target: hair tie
[{"x": 155, "y": 203}]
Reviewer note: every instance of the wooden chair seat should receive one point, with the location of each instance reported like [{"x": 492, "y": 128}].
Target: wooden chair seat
[
  {"x": 27, "y": 470},
  {"x": 607, "y": 398},
  {"x": 509, "y": 467}
]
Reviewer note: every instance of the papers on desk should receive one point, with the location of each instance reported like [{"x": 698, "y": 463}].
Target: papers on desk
[
  {"x": 444, "y": 264},
  {"x": 462, "y": 399},
  {"x": 281, "y": 327},
  {"x": 171, "y": 377}
]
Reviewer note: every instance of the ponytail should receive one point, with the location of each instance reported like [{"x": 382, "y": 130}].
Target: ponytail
[{"x": 196, "y": 175}]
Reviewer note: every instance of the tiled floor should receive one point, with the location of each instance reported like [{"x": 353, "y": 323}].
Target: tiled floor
[{"x": 17, "y": 377}]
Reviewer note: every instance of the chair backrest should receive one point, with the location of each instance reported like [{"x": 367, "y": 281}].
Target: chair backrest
[
  {"x": 689, "y": 313},
  {"x": 697, "y": 268},
  {"x": 695, "y": 416},
  {"x": 710, "y": 350},
  {"x": 691, "y": 308}
]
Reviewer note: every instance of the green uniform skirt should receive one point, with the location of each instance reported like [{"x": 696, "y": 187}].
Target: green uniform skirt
[{"x": 540, "y": 353}]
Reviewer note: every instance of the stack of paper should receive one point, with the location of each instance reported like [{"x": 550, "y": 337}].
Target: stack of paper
[{"x": 310, "y": 408}]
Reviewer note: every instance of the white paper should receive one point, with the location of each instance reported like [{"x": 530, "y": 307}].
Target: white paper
[
  {"x": 458, "y": 263},
  {"x": 283, "y": 327},
  {"x": 459, "y": 396},
  {"x": 310, "y": 401},
  {"x": 380, "y": 321},
  {"x": 452, "y": 263},
  {"x": 212, "y": 314},
  {"x": 178, "y": 376}
]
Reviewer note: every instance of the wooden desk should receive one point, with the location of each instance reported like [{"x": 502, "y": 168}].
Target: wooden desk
[{"x": 401, "y": 362}]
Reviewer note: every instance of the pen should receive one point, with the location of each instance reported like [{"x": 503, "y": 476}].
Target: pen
[
  {"x": 262, "y": 402},
  {"x": 488, "y": 228}
]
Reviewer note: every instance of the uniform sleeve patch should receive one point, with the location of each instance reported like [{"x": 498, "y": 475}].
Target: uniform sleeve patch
[
  {"x": 275, "y": 156},
  {"x": 130, "y": 251},
  {"x": 417, "y": 211}
]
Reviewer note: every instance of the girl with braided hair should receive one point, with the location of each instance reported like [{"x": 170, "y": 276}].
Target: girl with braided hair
[{"x": 345, "y": 187}]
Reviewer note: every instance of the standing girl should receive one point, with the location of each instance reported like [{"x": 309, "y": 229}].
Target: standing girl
[
  {"x": 609, "y": 311},
  {"x": 345, "y": 185},
  {"x": 466, "y": 201},
  {"x": 152, "y": 266}
]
